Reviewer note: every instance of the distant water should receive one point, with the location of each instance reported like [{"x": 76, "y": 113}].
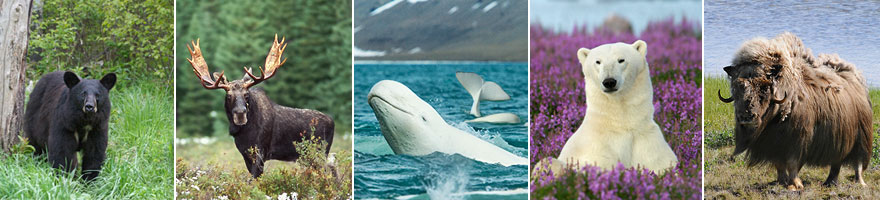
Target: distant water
[
  {"x": 848, "y": 28},
  {"x": 563, "y": 15},
  {"x": 379, "y": 173}
]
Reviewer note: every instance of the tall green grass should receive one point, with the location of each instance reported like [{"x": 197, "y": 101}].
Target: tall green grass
[{"x": 139, "y": 161}]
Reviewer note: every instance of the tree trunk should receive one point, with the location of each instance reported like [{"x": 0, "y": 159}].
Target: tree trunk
[{"x": 14, "y": 20}]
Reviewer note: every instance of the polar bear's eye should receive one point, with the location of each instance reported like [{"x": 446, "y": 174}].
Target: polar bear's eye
[
  {"x": 620, "y": 60},
  {"x": 597, "y": 62}
]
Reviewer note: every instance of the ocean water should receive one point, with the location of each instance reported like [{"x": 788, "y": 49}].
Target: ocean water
[
  {"x": 848, "y": 28},
  {"x": 380, "y": 174}
]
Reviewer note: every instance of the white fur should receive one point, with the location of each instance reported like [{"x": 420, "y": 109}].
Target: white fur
[{"x": 619, "y": 126}]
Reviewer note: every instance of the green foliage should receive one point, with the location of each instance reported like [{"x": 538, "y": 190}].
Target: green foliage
[
  {"x": 235, "y": 34},
  {"x": 316, "y": 178},
  {"x": 23, "y": 147},
  {"x": 93, "y": 37},
  {"x": 139, "y": 156}
]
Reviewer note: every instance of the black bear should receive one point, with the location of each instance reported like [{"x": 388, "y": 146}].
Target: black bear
[{"x": 66, "y": 114}]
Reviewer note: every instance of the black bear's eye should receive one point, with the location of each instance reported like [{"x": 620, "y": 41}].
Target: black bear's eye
[
  {"x": 597, "y": 62},
  {"x": 620, "y": 60}
]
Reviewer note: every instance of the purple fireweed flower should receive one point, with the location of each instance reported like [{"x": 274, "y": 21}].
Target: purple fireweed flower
[{"x": 558, "y": 107}]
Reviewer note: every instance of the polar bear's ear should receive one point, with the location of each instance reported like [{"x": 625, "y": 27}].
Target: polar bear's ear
[
  {"x": 582, "y": 54},
  {"x": 641, "y": 46}
]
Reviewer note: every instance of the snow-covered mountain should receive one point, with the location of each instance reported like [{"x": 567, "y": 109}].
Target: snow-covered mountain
[{"x": 478, "y": 30}]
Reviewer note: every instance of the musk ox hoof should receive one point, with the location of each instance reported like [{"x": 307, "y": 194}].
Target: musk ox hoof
[
  {"x": 830, "y": 183},
  {"x": 797, "y": 185}
]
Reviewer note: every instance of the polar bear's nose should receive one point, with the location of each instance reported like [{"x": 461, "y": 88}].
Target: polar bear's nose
[{"x": 609, "y": 83}]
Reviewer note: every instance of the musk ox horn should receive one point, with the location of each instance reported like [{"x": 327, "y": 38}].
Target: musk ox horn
[
  {"x": 725, "y": 100},
  {"x": 780, "y": 101}
]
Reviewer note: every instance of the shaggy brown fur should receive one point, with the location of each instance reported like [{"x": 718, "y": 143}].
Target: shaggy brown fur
[{"x": 795, "y": 109}]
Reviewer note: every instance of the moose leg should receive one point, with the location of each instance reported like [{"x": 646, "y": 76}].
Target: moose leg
[
  {"x": 254, "y": 164},
  {"x": 258, "y": 169},
  {"x": 248, "y": 163},
  {"x": 832, "y": 176}
]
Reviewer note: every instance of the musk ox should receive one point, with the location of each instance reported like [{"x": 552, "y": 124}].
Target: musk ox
[
  {"x": 262, "y": 129},
  {"x": 794, "y": 109}
]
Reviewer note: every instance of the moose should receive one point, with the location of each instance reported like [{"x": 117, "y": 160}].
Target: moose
[
  {"x": 794, "y": 109},
  {"x": 262, "y": 129}
]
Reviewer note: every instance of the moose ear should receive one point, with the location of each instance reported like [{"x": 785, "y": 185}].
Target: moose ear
[
  {"x": 109, "y": 81},
  {"x": 70, "y": 79},
  {"x": 729, "y": 70},
  {"x": 641, "y": 46},
  {"x": 582, "y": 54},
  {"x": 246, "y": 77}
]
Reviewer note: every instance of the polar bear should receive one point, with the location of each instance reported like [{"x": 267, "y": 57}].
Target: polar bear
[{"x": 619, "y": 125}]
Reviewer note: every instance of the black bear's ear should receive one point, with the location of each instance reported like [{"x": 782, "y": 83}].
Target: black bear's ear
[
  {"x": 70, "y": 79},
  {"x": 109, "y": 80}
]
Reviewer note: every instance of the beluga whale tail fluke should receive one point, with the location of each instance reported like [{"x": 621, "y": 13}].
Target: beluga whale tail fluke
[
  {"x": 480, "y": 90},
  {"x": 411, "y": 126}
]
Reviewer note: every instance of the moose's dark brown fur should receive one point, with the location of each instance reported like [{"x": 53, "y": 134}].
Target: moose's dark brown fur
[
  {"x": 262, "y": 129},
  {"x": 794, "y": 109}
]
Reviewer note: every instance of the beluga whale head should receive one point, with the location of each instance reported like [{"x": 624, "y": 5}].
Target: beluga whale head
[{"x": 408, "y": 123}]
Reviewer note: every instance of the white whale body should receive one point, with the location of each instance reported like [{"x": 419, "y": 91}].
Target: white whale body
[
  {"x": 411, "y": 126},
  {"x": 506, "y": 118}
]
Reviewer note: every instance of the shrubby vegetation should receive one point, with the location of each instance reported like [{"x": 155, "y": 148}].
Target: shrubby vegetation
[
  {"x": 235, "y": 34},
  {"x": 313, "y": 176},
  {"x": 93, "y": 37}
]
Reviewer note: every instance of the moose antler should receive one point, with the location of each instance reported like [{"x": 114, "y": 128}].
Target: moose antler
[
  {"x": 201, "y": 68},
  {"x": 273, "y": 62}
]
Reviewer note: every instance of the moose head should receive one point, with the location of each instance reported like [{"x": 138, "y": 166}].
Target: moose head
[{"x": 237, "y": 94}]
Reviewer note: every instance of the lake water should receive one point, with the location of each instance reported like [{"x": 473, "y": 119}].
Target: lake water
[
  {"x": 848, "y": 28},
  {"x": 381, "y": 174},
  {"x": 564, "y": 15}
]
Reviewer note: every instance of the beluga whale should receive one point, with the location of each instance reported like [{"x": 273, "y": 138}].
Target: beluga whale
[
  {"x": 411, "y": 126},
  {"x": 481, "y": 90}
]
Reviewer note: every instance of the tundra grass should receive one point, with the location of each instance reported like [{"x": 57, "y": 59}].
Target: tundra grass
[
  {"x": 214, "y": 169},
  {"x": 139, "y": 161},
  {"x": 733, "y": 179}
]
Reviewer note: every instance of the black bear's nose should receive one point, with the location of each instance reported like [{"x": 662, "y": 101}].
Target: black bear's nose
[
  {"x": 609, "y": 83},
  {"x": 90, "y": 108}
]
